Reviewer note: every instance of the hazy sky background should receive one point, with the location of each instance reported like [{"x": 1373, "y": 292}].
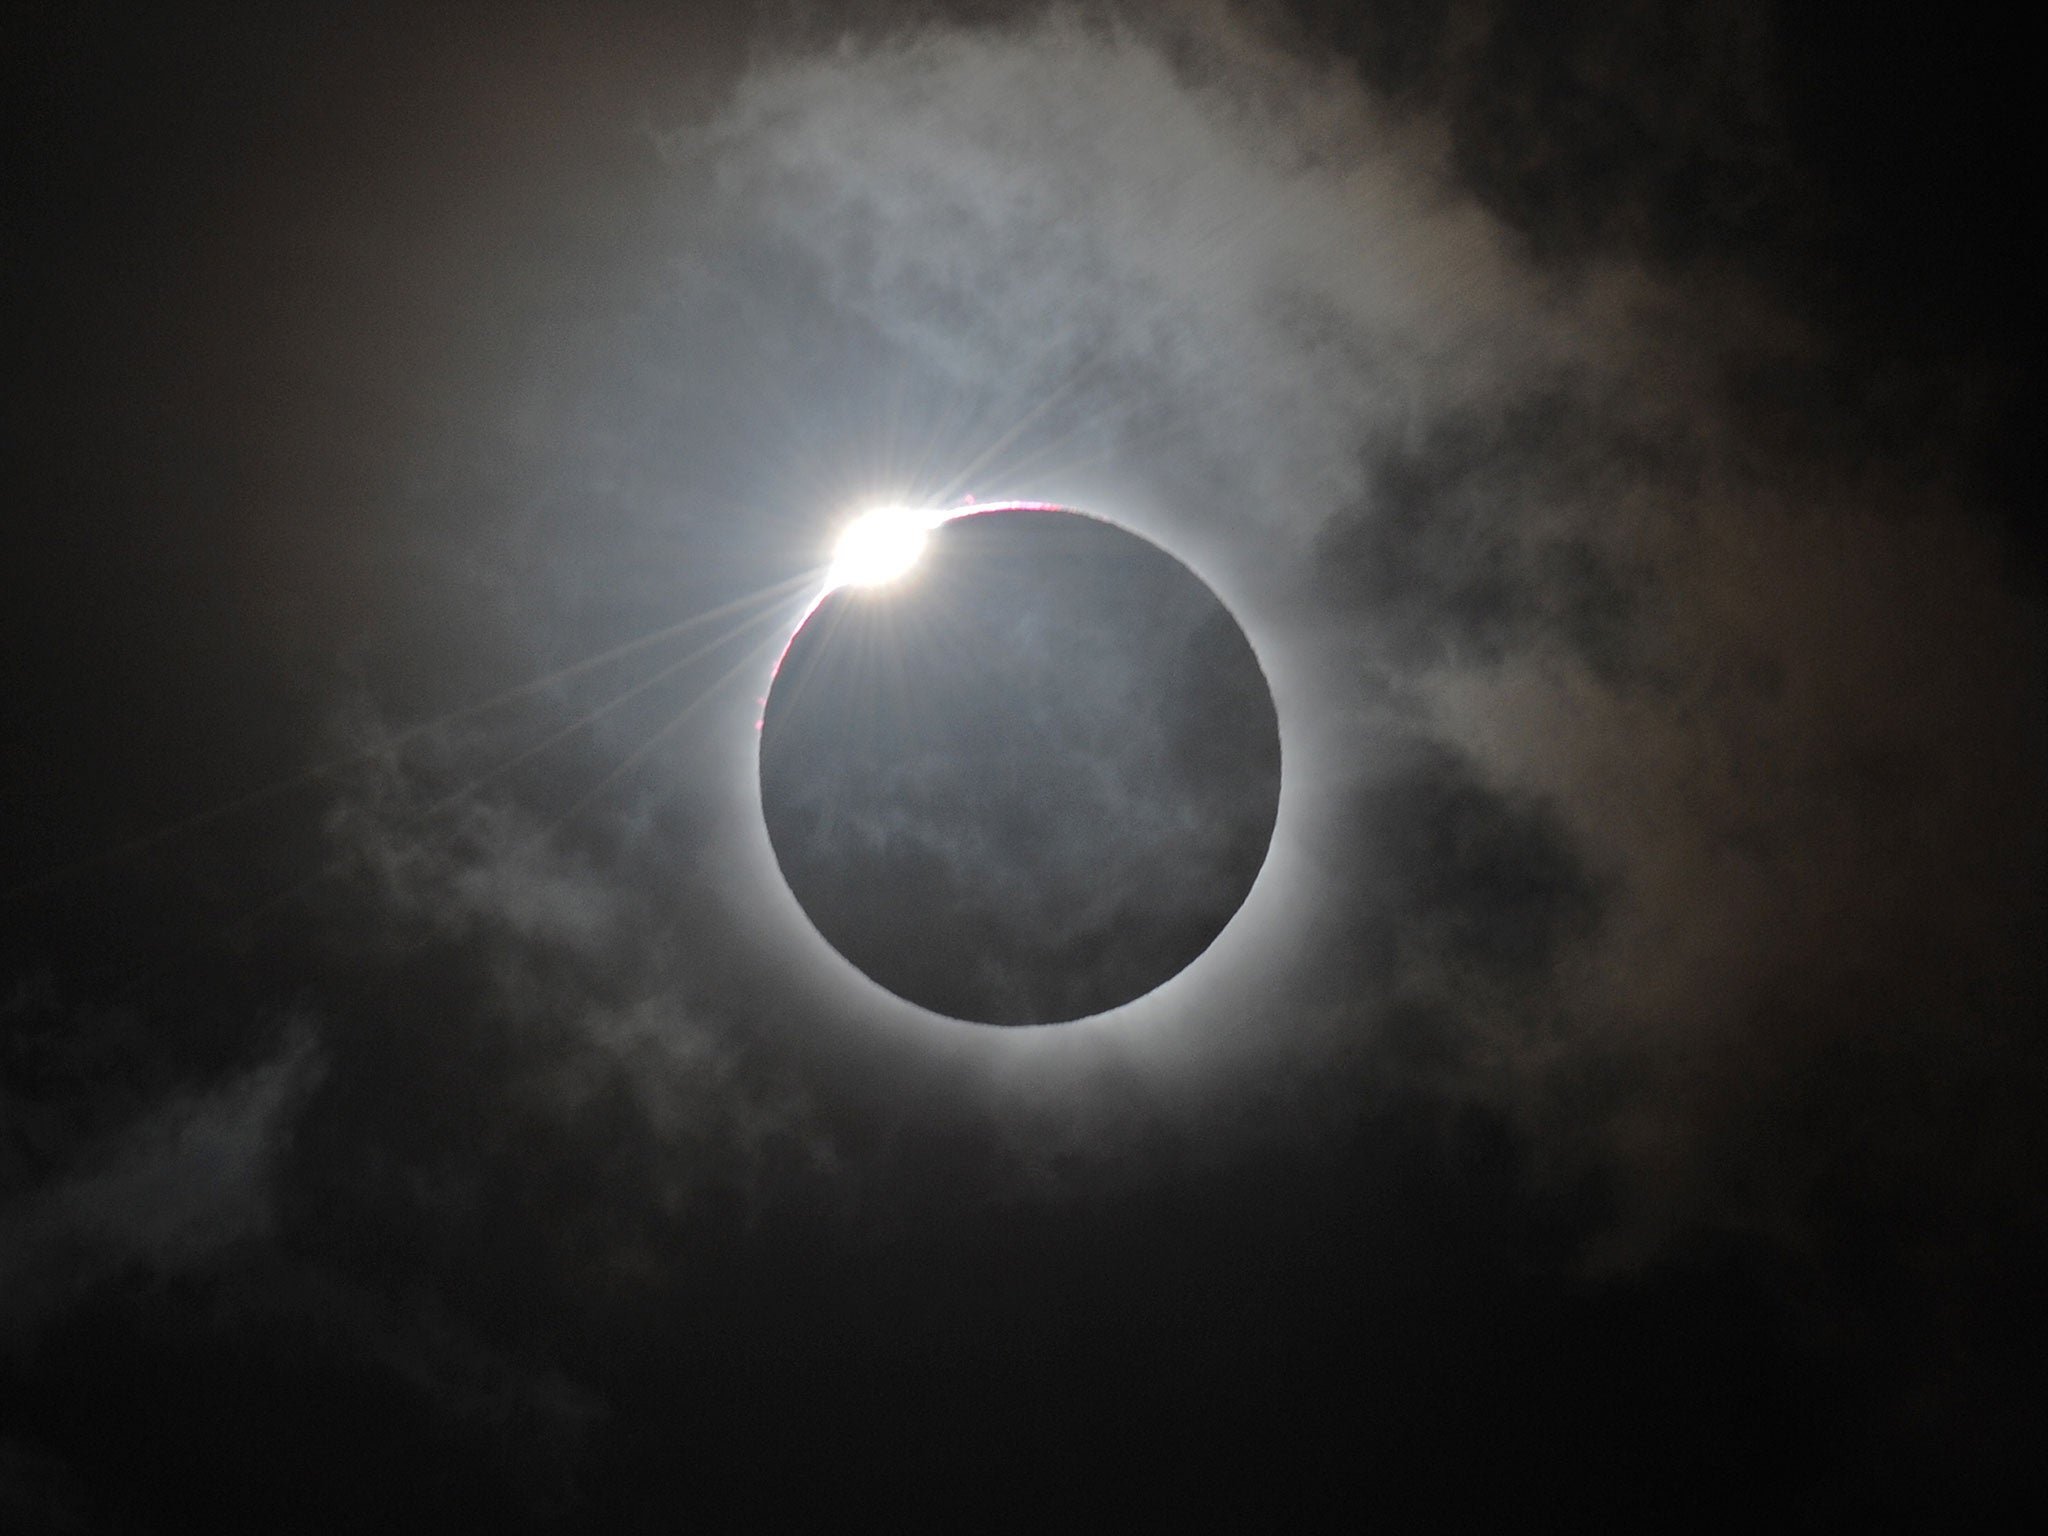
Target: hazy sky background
[{"x": 1617, "y": 437}]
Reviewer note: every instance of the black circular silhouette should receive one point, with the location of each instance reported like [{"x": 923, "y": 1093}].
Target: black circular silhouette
[{"x": 1030, "y": 779}]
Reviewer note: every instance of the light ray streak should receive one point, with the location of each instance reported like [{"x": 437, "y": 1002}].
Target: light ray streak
[
  {"x": 709, "y": 691},
  {"x": 1057, "y": 395},
  {"x": 341, "y": 862},
  {"x": 591, "y": 716},
  {"x": 208, "y": 815}
]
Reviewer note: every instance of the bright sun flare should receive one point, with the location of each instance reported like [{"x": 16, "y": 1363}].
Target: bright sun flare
[{"x": 879, "y": 546}]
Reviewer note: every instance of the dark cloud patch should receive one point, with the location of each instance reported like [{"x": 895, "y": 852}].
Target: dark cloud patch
[
  {"x": 250, "y": 1375},
  {"x": 532, "y": 1042},
  {"x": 1652, "y": 128},
  {"x": 1478, "y": 889},
  {"x": 103, "y": 1183},
  {"x": 1494, "y": 532}
]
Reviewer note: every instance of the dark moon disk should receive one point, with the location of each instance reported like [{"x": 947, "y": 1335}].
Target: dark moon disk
[{"x": 1027, "y": 781}]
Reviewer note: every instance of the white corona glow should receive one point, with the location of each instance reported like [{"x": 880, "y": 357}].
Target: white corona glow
[{"x": 879, "y": 546}]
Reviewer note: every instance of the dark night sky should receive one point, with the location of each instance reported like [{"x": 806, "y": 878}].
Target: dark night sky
[{"x": 1616, "y": 428}]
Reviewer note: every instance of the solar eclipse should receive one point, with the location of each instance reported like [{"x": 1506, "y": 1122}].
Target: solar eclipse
[{"x": 1018, "y": 766}]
